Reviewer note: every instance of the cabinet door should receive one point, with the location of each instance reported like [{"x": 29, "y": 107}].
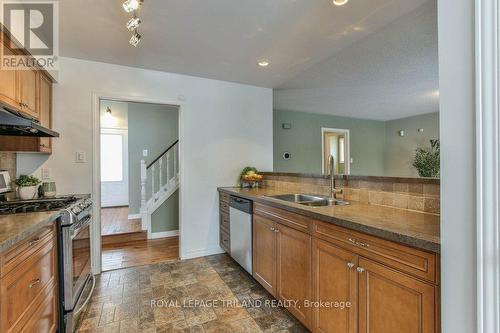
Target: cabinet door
[
  {"x": 45, "y": 110},
  {"x": 334, "y": 280},
  {"x": 28, "y": 85},
  {"x": 392, "y": 302},
  {"x": 8, "y": 83},
  {"x": 293, "y": 271},
  {"x": 264, "y": 253}
]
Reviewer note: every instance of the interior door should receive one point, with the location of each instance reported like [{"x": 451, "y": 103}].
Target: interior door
[{"x": 114, "y": 168}]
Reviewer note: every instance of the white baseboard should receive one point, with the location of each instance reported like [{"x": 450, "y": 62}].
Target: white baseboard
[
  {"x": 164, "y": 234},
  {"x": 134, "y": 216},
  {"x": 201, "y": 253}
]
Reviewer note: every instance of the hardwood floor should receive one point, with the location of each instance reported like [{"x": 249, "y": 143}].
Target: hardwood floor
[
  {"x": 115, "y": 221},
  {"x": 138, "y": 253}
]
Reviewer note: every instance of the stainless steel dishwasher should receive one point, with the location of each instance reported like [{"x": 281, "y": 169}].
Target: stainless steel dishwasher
[{"x": 240, "y": 221}]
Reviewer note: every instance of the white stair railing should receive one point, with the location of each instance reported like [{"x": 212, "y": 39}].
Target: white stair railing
[{"x": 161, "y": 189}]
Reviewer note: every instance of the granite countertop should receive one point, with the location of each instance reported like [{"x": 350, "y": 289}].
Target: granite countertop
[
  {"x": 419, "y": 230},
  {"x": 16, "y": 227}
]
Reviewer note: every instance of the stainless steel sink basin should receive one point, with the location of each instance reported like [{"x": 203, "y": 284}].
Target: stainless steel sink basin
[{"x": 310, "y": 200}]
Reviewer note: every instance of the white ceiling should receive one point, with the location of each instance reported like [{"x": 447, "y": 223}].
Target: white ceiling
[
  {"x": 224, "y": 39},
  {"x": 389, "y": 74}
]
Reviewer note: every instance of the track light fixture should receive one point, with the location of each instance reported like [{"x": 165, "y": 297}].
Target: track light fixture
[{"x": 132, "y": 6}]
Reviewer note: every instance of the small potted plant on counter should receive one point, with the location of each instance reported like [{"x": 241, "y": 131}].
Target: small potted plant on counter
[
  {"x": 27, "y": 187},
  {"x": 250, "y": 178}
]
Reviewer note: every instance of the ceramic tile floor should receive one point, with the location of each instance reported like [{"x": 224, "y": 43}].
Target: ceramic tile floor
[{"x": 210, "y": 294}]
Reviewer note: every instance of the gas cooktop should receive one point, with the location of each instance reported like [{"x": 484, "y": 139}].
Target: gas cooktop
[{"x": 36, "y": 205}]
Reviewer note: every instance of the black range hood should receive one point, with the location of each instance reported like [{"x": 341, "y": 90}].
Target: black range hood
[{"x": 13, "y": 123}]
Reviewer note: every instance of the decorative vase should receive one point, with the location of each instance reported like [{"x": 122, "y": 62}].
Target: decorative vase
[{"x": 27, "y": 192}]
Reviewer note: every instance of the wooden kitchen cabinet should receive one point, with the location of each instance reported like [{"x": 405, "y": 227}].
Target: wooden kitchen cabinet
[
  {"x": 28, "y": 287},
  {"x": 9, "y": 83},
  {"x": 45, "y": 111},
  {"x": 28, "y": 91},
  {"x": 392, "y": 302},
  {"x": 293, "y": 271},
  {"x": 391, "y": 288},
  {"x": 224, "y": 225},
  {"x": 264, "y": 253},
  {"x": 335, "y": 279}
]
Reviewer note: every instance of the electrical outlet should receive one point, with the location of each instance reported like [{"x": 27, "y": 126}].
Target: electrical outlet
[
  {"x": 80, "y": 157},
  {"x": 45, "y": 173},
  {"x": 145, "y": 153}
]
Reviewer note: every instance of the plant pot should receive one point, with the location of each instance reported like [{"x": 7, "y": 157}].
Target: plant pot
[{"x": 27, "y": 192}]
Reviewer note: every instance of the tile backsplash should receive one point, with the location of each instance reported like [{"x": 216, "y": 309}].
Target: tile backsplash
[
  {"x": 422, "y": 195},
  {"x": 8, "y": 163}
]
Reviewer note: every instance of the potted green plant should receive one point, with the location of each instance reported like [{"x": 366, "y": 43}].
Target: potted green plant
[
  {"x": 27, "y": 187},
  {"x": 427, "y": 160}
]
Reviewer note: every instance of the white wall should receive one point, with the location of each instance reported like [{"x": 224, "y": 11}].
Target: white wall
[
  {"x": 458, "y": 230},
  {"x": 225, "y": 126}
]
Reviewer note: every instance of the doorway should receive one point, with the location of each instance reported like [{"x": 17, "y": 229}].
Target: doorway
[
  {"x": 335, "y": 142},
  {"x": 138, "y": 211}
]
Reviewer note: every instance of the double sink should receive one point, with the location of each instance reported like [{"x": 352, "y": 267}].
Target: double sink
[{"x": 310, "y": 200}]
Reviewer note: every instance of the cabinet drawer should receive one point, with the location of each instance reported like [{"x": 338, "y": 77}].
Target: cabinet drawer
[
  {"x": 20, "y": 252},
  {"x": 292, "y": 220},
  {"x": 224, "y": 207},
  {"x": 224, "y": 222},
  {"x": 225, "y": 241},
  {"x": 406, "y": 259},
  {"x": 224, "y": 197},
  {"x": 22, "y": 286}
]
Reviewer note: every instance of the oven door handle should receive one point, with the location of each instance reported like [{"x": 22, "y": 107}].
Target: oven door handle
[
  {"x": 77, "y": 311},
  {"x": 81, "y": 225}
]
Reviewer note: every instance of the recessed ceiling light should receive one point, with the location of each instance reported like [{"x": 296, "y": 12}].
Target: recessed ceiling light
[
  {"x": 339, "y": 2},
  {"x": 263, "y": 63}
]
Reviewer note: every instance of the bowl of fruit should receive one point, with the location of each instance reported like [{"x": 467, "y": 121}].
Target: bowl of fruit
[{"x": 250, "y": 178}]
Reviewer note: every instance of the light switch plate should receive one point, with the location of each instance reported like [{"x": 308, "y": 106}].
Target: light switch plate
[
  {"x": 45, "y": 173},
  {"x": 80, "y": 157},
  {"x": 145, "y": 153}
]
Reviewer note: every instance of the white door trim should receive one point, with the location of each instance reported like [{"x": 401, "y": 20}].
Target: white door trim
[
  {"x": 95, "y": 239},
  {"x": 487, "y": 165},
  {"x": 347, "y": 146}
]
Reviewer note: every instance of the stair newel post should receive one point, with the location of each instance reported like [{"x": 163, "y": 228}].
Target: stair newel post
[
  {"x": 144, "y": 179},
  {"x": 160, "y": 162},
  {"x": 175, "y": 160},
  {"x": 153, "y": 181},
  {"x": 168, "y": 168}
]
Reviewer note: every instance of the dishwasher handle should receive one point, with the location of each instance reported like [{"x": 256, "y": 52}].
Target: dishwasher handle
[{"x": 240, "y": 204}]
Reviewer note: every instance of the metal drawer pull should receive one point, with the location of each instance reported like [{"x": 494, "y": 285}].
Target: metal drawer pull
[
  {"x": 34, "y": 241},
  {"x": 355, "y": 242},
  {"x": 360, "y": 269},
  {"x": 276, "y": 230},
  {"x": 34, "y": 283},
  {"x": 272, "y": 228},
  {"x": 350, "y": 265}
]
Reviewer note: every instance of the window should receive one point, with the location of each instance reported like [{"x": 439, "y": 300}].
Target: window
[
  {"x": 341, "y": 149},
  {"x": 111, "y": 158}
]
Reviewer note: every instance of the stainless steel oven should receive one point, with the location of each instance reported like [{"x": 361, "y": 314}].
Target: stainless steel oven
[{"x": 76, "y": 279}]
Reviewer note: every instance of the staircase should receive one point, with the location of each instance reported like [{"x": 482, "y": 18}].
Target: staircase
[{"x": 159, "y": 180}]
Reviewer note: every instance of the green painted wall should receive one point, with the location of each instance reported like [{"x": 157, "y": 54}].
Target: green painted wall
[
  {"x": 155, "y": 128},
  {"x": 303, "y": 141},
  {"x": 376, "y": 147},
  {"x": 399, "y": 151}
]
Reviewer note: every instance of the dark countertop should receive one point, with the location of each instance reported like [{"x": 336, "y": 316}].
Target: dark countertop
[
  {"x": 16, "y": 227},
  {"x": 419, "y": 230}
]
